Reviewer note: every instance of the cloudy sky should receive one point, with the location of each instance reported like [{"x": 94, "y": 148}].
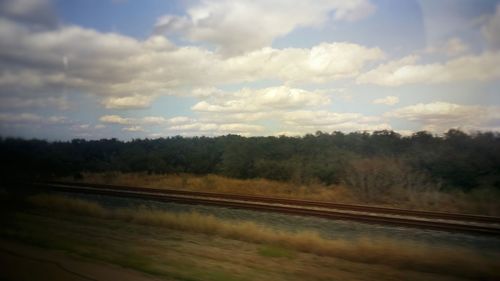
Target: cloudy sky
[{"x": 133, "y": 69}]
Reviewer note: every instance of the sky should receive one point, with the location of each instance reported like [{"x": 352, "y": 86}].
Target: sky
[{"x": 131, "y": 69}]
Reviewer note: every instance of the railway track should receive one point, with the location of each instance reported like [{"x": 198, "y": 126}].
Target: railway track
[
  {"x": 298, "y": 202},
  {"x": 466, "y": 223}
]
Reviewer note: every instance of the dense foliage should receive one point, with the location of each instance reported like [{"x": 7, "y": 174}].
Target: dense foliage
[{"x": 454, "y": 160}]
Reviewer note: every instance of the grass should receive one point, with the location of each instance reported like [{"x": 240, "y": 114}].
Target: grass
[
  {"x": 65, "y": 204},
  {"x": 107, "y": 241},
  {"x": 276, "y": 252},
  {"x": 221, "y": 184},
  {"x": 397, "y": 254}
]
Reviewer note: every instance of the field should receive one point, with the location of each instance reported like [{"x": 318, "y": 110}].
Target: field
[{"x": 193, "y": 246}]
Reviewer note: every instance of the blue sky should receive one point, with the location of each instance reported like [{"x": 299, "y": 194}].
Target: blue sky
[{"x": 135, "y": 69}]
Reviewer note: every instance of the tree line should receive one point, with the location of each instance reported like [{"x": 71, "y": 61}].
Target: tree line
[{"x": 371, "y": 161}]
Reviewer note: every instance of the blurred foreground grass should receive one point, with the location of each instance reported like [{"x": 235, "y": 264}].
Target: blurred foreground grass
[{"x": 192, "y": 246}]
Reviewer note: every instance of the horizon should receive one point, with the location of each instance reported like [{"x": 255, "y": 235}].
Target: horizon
[
  {"x": 444, "y": 136},
  {"x": 135, "y": 70}
]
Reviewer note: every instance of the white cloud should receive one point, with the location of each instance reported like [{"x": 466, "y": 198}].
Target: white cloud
[
  {"x": 133, "y": 129},
  {"x": 157, "y": 135},
  {"x": 455, "y": 46},
  {"x": 236, "y": 27},
  {"x": 250, "y": 100},
  {"x": 280, "y": 105},
  {"x": 434, "y": 111},
  {"x": 60, "y": 103},
  {"x": 19, "y": 118},
  {"x": 42, "y": 62},
  {"x": 491, "y": 30},
  {"x": 485, "y": 66},
  {"x": 184, "y": 125},
  {"x": 288, "y": 133},
  {"x": 128, "y": 73},
  {"x": 204, "y": 128},
  {"x": 179, "y": 120},
  {"x": 405, "y": 133},
  {"x": 196, "y": 126},
  {"x": 56, "y": 119},
  {"x": 147, "y": 120},
  {"x": 452, "y": 47},
  {"x": 37, "y": 14},
  {"x": 80, "y": 127},
  {"x": 115, "y": 119},
  {"x": 311, "y": 121},
  {"x": 321, "y": 63},
  {"x": 153, "y": 120},
  {"x": 224, "y": 117},
  {"x": 441, "y": 116},
  {"x": 206, "y": 92},
  {"x": 389, "y": 100},
  {"x": 30, "y": 118},
  {"x": 129, "y": 102}
]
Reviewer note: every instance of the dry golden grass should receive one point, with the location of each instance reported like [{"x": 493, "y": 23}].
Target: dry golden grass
[
  {"x": 215, "y": 183},
  {"x": 65, "y": 204},
  {"x": 481, "y": 201},
  {"x": 398, "y": 254}
]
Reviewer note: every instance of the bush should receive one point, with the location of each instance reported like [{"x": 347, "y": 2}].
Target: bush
[{"x": 376, "y": 179}]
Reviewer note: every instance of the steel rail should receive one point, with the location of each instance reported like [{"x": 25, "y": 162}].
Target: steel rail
[
  {"x": 328, "y": 214},
  {"x": 300, "y": 202}
]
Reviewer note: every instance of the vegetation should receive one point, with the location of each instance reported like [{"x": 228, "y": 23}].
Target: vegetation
[
  {"x": 401, "y": 255},
  {"x": 275, "y": 252},
  {"x": 383, "y": 167}
]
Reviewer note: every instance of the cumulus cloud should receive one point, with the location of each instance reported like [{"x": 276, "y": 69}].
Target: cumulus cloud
[
  {"x": 128, "y": 73},
  {"x": 250, "y": 100},
  {"x": 237, "y": 27},
  {"x": 389, "y": 100},
  {"x": 440, "y": 116},
  {"x": 479, "y": 67},
  {"x": 42, "y": 62},
  {"x": 321, "y": 63},
  {"x": 33, "y": 61},
  {"x": 281, "y": 105},
  {"x": 485, "y": 66},
  {"x": 184, "y": 125}
]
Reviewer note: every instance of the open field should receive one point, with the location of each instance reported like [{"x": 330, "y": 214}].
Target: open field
[
  {"x": 481, "y": 201},
  {"x": 192, "y": 246}
]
